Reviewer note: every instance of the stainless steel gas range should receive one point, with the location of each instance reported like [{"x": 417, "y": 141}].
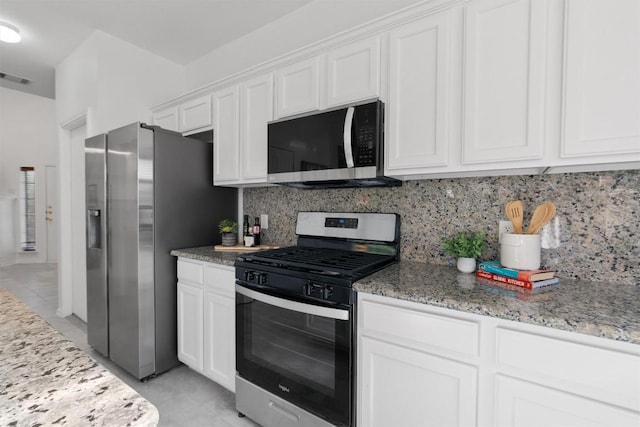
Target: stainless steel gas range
[{"x": 295, "y": 318}]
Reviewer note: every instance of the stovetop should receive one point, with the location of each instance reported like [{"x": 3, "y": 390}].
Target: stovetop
[
  {"x": 334, "y": 250},
  {"x": 325, "y": 261}
]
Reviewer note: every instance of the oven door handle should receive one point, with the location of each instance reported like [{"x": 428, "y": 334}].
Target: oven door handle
[{"x": 315, "y": 310}]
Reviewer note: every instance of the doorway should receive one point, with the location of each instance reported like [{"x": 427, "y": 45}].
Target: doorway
[
  {"x": 72, "y": 282},
  {"x": 51, "y": 213},
  {"x": 78, "y": 220}
]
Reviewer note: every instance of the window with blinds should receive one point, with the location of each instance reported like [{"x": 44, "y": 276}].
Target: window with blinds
[{"x": 27, "y": 208}]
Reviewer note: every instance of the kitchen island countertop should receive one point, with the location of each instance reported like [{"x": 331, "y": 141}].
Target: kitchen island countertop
[
  {"x": 607, "y": 310},
  {"x": 45, "y": 379}
]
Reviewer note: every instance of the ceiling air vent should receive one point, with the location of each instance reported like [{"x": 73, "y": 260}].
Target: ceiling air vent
[{"x": 14, "y": 79}]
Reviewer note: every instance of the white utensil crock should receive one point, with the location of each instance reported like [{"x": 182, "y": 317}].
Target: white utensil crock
[{"x": 520, "y": 251}]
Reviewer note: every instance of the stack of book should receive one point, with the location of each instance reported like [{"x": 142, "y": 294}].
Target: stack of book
[{"x": 528, "y": 279}]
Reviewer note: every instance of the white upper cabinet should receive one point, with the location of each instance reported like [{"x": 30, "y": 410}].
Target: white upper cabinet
[
  {"x": 298, "y": 88},
  {"x": 353, "y": 72},
  {"x": 472, "y": 88},
  {"x": 257, "y": 111},
  {"x": 195, "y": 114},
  {"x": 344, "y": 74},
  {"x": 167, "y": 119},
  {"x": 504, "y": 81},
  {"x": 226, "y": 140},
  {"x": 418, "y": 112},
  {"x": 190, "y": 115},
  {"x": 241, "y": 114},
  {"x": 601, "y": 97}
]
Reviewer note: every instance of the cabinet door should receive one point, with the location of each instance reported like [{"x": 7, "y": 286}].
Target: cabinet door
[
  {"x": 219, "y": 333},
  {"x": 297, "y": 88},
  {"x": 167, "y": 119},
  {"x": 520, "y": 403},
  {"x": 602, "y": 79},
  {"x": 226, "y": 141},
  {"x": 504, "y": 81},
  {"x": 353, "y": 72},
  {"x": 257, "y": 111},
  {"x": 418, "y": 107},
  {"x": 190, "y": 321},
  {"x": 403, "y": 387},
  {"x": 195, "y": 114}
]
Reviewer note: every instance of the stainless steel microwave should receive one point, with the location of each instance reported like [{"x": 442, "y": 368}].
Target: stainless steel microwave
[{"x": 338, "y": 148}]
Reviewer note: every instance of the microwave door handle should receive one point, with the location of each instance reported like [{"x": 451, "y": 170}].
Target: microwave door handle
[{"x": 348, "y": 125}]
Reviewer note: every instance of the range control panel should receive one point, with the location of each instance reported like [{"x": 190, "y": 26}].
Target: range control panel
[
  {"x": 304, "y": 288},
  {"x": 341, "y": 222}
]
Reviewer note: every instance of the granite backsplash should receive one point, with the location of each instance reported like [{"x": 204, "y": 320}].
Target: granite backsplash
[{"x": 595, "y": 235}]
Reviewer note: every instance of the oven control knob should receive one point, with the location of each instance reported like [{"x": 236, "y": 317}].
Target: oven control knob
[
  {"x": 327, "y": 291},
  {"x": 312, "y": 288},
  {"x": 249, "y": 276},
  {"x": 262, "y": 278}
]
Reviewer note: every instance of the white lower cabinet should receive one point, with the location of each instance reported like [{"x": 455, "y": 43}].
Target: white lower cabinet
[
  {"x": 190, "y": 325},
  {"x": 488, "y": 372},
  {"x": 206, "y": 320},
  {"x": 406, "y": 387},
  {"x": 219, "y": 326},
  {"x": 525, "y": 404},
  {"x": 416, "y": 368}
]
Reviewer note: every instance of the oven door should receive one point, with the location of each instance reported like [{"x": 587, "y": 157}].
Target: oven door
[{"x": 296, "y": 350}]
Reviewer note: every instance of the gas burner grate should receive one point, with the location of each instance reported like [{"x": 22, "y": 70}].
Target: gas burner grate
[{"x": 322, "y": 259}]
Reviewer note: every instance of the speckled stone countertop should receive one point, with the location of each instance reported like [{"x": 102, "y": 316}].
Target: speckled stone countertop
[
  {"x": 607, "y": 310},
  {"x": 45, "y": 379},
  {"x": 206, "y": 253}
]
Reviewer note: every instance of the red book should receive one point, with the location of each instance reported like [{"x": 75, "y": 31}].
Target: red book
[{"x": 515, "y": 282}]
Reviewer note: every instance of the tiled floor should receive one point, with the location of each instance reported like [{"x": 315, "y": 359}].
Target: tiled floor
[{"x": 182, "y": 396}]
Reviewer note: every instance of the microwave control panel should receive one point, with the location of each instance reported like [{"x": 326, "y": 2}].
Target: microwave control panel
[
  {"x": 368, "y": 125},
  {"x": 366, "y": 153}
]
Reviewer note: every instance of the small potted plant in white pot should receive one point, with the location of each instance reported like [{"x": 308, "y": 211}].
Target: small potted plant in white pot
[
  {"x": 466, "y": 247},
  {"x": 229, "y": 231}
]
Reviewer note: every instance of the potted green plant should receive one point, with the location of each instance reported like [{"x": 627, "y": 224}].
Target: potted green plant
[
  {"x": 229, "y": 231},
  {"x": 466, "y": 247}
]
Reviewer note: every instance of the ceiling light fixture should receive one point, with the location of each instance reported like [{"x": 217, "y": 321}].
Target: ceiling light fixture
[{"x": 9, "y": 33}]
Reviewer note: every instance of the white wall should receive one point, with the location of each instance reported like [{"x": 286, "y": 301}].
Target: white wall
[
  {"x": 115, "y": 80},
  {"x": 309, "y": 24},
  {"x": 104, "y": 84},
  {"x": 28, "y": 137}
]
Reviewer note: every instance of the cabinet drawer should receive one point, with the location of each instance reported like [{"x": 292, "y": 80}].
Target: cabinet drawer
[
  {"x": 220, "y": 280},
  {"x": 411, "y": 325},
  {"x": 190, "y": 271},
  {"x": 598, "y": 372}
]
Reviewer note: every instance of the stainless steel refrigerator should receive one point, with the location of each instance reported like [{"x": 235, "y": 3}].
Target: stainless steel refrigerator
[{"x": 148, "y": 191}]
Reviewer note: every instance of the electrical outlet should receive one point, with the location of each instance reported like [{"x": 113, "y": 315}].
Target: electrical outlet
[
  {"x": 504, "y": 227},
  {"x": 264, "y": 222}
]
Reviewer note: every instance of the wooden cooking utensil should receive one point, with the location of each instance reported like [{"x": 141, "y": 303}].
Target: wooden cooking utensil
[
  {"x": 541, "y": 216},
  {"x": 514, "y": 212}
]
